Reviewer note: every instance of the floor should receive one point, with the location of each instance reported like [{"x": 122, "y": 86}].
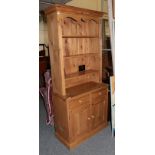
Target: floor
[{"x": 100, "y": 144}]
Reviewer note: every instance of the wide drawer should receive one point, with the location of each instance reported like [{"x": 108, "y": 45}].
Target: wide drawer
[
  {"x": 84, "y": 100},
  {"x": 98, "y": 96}
]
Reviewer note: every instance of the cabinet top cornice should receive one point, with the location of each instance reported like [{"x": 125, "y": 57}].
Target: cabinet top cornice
[{"x": 72, "y": 9}]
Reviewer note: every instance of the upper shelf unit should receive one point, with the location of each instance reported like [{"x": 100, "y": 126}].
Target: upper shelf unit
[{"x": 75, "y": 40}]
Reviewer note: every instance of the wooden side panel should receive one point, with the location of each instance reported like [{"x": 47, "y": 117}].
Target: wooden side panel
[
  {"x": 55, "y": 51},
  {"x": 61, "y": 116}
]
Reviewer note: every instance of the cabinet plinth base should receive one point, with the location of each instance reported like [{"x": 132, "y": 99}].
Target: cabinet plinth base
[{"x": 80, "y": 139}]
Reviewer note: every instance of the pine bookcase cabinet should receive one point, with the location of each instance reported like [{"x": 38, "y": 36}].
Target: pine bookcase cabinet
[{"x": 80, "y": 98}]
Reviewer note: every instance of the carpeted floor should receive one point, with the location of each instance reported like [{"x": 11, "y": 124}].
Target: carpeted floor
[{"x": 100, "y": 144}]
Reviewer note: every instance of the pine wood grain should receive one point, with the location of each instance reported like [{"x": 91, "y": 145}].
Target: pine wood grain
[{"x": 80, "y": 98}]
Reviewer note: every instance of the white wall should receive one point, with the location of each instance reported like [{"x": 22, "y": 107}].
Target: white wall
[
  {"x": 43, "y": 34},
  {"x": 88, "y": 4},
  {"x": 105, "y": 6}
]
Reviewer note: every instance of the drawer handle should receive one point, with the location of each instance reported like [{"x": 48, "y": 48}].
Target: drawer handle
[
  {"x": 88, "y": 118},
  {"x": 92, "y": 116}
]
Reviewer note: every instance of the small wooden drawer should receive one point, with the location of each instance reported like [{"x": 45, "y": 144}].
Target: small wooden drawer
[
  {"x": 98, "y": 96},
  {"x": 84, "y": 100}
]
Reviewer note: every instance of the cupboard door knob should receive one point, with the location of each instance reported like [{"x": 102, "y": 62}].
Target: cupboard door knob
[
  {"x": 92, "y": 116},
  {"x": 88, "y": 118},
  {"x": 100, "y": 93}
]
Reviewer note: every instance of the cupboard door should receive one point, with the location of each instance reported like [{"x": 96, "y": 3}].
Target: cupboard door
[
  {"x": 99, "y": 113},
  {"x": 79, "y": 121}
]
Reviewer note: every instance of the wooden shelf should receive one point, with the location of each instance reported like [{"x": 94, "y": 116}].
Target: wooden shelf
[
  {"x": 73, "y": 75},
  {"x": 79, "y": 55},
  {"x": 83, "y": 88},
  {"x": 80, "y": 36}
]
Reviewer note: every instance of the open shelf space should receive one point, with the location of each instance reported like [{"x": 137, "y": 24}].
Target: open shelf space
[
  {"x": 83, "y": 88},
  {"x": 73, "y": 75}
]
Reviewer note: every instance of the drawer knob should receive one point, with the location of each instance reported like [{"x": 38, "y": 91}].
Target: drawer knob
[
  {"x": 92, "y": 116},
  {"x": 88, "y": 118}
]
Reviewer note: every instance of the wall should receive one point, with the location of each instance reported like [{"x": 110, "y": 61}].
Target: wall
[
  {"x": 105, "y": 6},
  {"x": 88, "y": 4},
  {"x": 43, "y": 34},
  {"x": 105, "y": 9}
]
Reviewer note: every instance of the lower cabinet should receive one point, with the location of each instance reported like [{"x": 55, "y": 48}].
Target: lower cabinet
[{"x": 86, "y": 114}]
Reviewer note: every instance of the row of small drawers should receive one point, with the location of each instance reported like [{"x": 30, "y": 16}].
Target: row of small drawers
[{"x": 97, "y": 96}]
